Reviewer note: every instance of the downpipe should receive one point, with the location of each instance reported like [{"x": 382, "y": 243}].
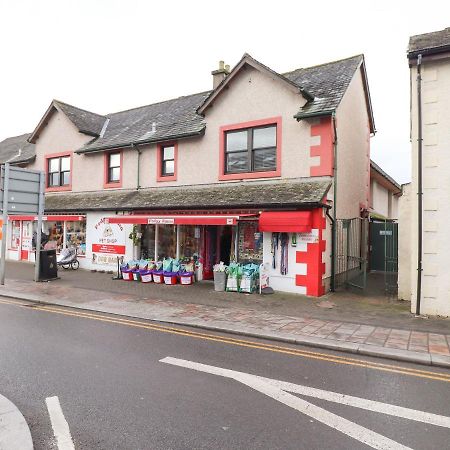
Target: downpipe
[{"x": 419, "y": 185}]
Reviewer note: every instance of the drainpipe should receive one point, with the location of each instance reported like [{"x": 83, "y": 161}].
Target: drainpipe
[
  {"x": 419, "y": 183},
  {"x": 333, "y": 222},
  {"x": 139, "y": 151}
]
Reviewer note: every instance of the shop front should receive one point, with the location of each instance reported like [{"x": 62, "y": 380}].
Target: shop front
[
  {"x": 201, "y": 240},
  {"x": 59, "y": 231}
]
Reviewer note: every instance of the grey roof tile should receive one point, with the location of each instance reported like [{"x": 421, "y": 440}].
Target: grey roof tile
[
  {"x": 230, "y": 195},
  {"x": 17, "y": 150},
  {"x": 327, "y": 82},
  {"x": 429, "y": 42},
  {"x": 172, "y": 119},
  {"x": 87, "y": 122}
]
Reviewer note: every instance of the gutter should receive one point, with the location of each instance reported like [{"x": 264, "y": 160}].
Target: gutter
[
  {"x": 147, "y": 141},
  {"x": 419, "y": 184},
  {"x": 299, "y": 116}
]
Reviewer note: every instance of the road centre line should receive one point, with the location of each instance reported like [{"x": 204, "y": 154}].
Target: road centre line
[
  {"x": 59, "y": 424},
  {"x": 260, "y": 384},
  {"x": 439, "y": 376}
]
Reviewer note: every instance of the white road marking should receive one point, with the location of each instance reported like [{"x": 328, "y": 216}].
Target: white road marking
[
  {"x": 278, "y": 390},
  {"x": 60, "y": 426}
]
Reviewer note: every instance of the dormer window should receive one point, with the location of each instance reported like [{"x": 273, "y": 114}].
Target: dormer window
[{"x": 250, "y": 150}]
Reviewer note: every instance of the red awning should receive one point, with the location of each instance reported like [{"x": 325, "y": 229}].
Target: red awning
[
  {"x": 286, "y": 221},
  {"x": 182, "y": 219},
  {"x": 62, "y": 218}
]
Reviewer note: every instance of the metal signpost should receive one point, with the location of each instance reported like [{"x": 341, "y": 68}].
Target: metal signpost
[{"x": 22, "y": 192}]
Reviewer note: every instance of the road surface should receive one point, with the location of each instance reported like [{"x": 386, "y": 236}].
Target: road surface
[{"x": 93, "y": 381}]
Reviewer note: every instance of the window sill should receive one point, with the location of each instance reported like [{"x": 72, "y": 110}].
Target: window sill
[
  {"x": 58, "y": 188},
  {"x": 166, "y": 178},
  {"x": 116, "y": 184},
  {"x": 250, "y": 175}
]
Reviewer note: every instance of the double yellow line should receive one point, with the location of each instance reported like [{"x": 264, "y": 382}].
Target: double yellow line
[{"x": 440, "y": 376}]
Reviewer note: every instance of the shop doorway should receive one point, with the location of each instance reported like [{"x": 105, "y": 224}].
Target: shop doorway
[
  {"x": 26, "y": 241},
  {"x": 218, "y": 242}
]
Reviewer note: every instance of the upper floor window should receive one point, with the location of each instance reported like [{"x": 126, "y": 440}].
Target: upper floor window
[
  {"x": 58, "y": 171},
  {"x": 114, "y": 168},
  {"x": 167, "y": 155},
  {"x": 251, "y": 149},
  {"x": 168, "y": 160}
]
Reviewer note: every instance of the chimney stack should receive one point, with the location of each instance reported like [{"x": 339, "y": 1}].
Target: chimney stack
[{"x": 220, "y": 74}]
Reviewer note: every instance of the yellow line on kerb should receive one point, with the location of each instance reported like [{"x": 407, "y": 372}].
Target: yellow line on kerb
[{"x": 241, "y": 342}]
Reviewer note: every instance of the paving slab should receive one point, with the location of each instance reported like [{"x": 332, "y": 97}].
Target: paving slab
[{"x": 250, "y": 315}]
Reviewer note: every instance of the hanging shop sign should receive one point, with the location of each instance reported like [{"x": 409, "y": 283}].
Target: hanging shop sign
[
  {"x": 108, "y": 242},
  {"x": 311, "y": 237}
]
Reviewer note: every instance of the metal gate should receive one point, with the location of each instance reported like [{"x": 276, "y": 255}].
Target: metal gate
[
  {"x": 351, "y": 252},
  {"x": 384, "y": 252}
]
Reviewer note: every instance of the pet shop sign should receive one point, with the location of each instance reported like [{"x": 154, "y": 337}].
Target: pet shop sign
[{"x": 109, "y": 238}]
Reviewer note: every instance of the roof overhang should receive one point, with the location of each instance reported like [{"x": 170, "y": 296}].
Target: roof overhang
[{"x": 247, "y": 60}]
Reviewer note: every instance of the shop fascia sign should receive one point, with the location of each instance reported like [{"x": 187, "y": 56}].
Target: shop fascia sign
[{"x": 161, "y": 221}]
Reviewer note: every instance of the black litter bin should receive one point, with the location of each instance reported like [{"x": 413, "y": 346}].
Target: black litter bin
[{"x": 48, "y": 269}]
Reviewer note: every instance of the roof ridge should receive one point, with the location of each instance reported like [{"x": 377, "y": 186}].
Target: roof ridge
[
  {"x": 324, "y": 64},
  {"x": 80, "y": 109},
  {"x": 158, "y": 103},
  {"x": 16, "y": 136}
]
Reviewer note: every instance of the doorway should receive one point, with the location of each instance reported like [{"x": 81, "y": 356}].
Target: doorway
[{"x": 26, "y": 241}]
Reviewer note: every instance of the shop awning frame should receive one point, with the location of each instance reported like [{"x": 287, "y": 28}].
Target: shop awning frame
[
  {"x": 52, "y": 217},
  {"x": 181, "y": 219},
  {"x": 286, "y": 221}
]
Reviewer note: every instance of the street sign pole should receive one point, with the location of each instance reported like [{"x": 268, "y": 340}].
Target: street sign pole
[
  {"x": 5, "y": 188},
  {"x": 39, "y": 227}
]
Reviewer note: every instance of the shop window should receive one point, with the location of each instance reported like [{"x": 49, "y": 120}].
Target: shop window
[
  {"x": 167, "y": 162},
  {"x": 189, "y": 241},
  {"x": 58, "y": 171},
  {"x": 113, "y": 169},
  {"x": 148, "y": 242},
  {"x": 55, "y": 232},
  {"x": 76, "y": 236},
  {"x": 167, "y": 241},
  {"x": 251, "y": 150},
  {"x": 15, "y": 235},
  {"x": 250, "y": 242}
]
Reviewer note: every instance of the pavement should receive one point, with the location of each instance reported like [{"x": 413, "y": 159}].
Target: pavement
[
  {"x": 14, "y": 431},
  {"x": 371, "y": 325}
]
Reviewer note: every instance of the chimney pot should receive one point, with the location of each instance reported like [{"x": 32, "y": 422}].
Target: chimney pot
[{"x": 220, "y": 74}]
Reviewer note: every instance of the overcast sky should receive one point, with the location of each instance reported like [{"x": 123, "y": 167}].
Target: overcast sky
[{"x": 110, "y": 55}]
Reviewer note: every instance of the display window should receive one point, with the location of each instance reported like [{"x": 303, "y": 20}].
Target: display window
[
  {"x": 148, "y": 242},
  {"x": 250, "y": 242},
  {"x": 55, "y": 232},
  {"x": 167, "y": 241},
  {"x": 15, "y": 235},
  {"x": 76, "y": 236},
  {"x": 189, "y": 241}
]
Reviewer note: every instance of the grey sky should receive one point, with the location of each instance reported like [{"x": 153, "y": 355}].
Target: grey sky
[{"x": 110, "y": 55}]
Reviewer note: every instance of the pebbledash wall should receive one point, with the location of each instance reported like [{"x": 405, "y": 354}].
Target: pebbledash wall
[{"x": 306, "y": 152}]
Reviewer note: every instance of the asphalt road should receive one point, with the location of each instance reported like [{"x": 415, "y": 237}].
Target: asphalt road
[{"x": 115, "y": 393}]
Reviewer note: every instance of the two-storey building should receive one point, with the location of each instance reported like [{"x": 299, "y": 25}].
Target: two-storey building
[
  {"x": 257, "y": 168},
  {"x": 424, "y": 244}
]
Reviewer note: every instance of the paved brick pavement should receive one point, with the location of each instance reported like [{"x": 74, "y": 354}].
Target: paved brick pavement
[{"x": 235, "y": 316}]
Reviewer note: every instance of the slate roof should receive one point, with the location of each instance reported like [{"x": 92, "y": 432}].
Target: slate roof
[
  {"x": 327, "y": 82},
  {"x": 174, "y": 118},
  {"x": 17, "y": 150},
  {"x": 87, "y": 122},
  {"x": 178, "y": 118},
  {"x": 435, "y": 42},
  {"x": 292, "y": 193}
]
